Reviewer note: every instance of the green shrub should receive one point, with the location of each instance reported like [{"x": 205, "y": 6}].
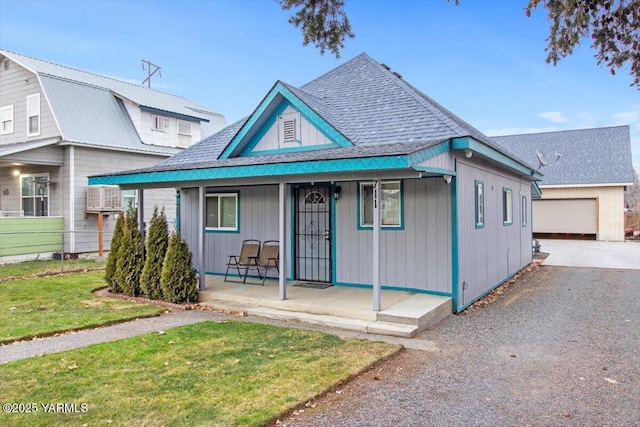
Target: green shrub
[
  {"x": 156, "y": 243},
  {"x": 110, "y": 268},
  {"x": 130, "y": 256},
  {"x": 179, "y": 281}
]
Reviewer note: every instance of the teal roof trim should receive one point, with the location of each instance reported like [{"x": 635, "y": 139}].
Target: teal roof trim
[
  {"x": 484, "y": 150},
  {"x": 537, "y": 189},
  {"x": 279, "y": 89},
  {"x": 277, "y": 169},
  {"x": 248, "y": 150}
]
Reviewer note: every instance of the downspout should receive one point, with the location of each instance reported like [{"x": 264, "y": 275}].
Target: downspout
[{"x": 72, "y": 199}]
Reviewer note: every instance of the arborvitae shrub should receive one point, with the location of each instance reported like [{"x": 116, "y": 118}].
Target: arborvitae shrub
[
  {"x": 110, "y": 269},
  {"x": 156, "y": 242},
  {"x": 130, "y": 256},
  {"x": 179, "y": 281}
]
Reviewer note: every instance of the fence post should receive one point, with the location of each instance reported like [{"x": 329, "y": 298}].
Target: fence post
[{"x": 62, "y": 253}]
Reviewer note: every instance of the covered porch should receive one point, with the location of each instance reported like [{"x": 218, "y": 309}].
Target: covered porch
[{"x": 346, "y": 307}]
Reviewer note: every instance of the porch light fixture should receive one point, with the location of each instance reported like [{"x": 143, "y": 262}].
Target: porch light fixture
[
  {"x": 336, "y": 192},
  {"x": 16, "y": 172},
  {"x": 447, "y": 178}
]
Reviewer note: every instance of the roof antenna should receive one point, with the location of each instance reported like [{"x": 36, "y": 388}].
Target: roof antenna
[
  {"x": 150, "y": 73},
  {"x": 544, "y": 161}
]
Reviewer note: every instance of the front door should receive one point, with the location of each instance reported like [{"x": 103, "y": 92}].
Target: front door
[{"x": 313, "y": 233}]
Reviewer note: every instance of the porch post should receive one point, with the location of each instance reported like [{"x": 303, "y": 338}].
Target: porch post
[
  {"x": 201, "y": 235},
  {"x": 282, "y": 293},
  {"x": 141, "y": 217},
  {"x": 377, "y": 202}
]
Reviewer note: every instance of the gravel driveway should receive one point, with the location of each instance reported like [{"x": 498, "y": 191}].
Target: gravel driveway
[{"x": 561, "y": 347}]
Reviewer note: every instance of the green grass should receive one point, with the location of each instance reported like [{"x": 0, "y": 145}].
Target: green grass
[
  {"x": 48, "y": 305},
  {"x": 207, "y": 374},
  {"x": 44, "y": 267}
]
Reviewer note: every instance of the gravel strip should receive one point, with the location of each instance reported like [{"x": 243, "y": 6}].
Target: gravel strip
[{"x": 561, "y": 347}]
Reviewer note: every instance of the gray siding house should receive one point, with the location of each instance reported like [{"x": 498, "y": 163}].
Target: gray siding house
[
  {"x": 585, "y": 177},
  {"x": 58, "y": 126},
  {"x": 364, "y": 180}
]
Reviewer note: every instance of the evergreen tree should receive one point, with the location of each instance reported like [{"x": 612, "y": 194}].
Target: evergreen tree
[
  {"x": 179, "y": 281},
  {"x": 130, "y": 257},
  {"x": 156, "y": 242},
  {"x": 110, "y": 269}
]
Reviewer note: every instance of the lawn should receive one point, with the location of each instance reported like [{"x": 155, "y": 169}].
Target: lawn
[
  {"x": 207, "y": 374},
  {"x": 45, "y": 267},
  {"x": 48, "y": 305}
]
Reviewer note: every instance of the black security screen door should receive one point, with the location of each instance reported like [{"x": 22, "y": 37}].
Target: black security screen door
[{"x": 313, "y": 233}]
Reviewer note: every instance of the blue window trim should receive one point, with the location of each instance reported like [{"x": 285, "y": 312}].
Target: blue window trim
[
  {"x": 506, "y": 222},
  {"x": 210, "y": 192},
  {"x": 382, "y": 227},
  {"x": 524, "y": 211},
  {"x": 475, "y": 187}
]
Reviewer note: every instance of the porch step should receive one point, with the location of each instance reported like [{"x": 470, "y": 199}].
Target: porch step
[{"x": 420, "y": 310}]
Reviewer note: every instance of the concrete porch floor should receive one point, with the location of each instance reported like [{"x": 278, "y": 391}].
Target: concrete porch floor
[{"x": 402, "y": 313}]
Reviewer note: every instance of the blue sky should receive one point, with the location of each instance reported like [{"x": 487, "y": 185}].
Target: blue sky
[{"x": 484, "y": 60}]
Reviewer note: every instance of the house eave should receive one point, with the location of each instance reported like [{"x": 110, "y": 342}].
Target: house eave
[{"x": 610, "y": 184}]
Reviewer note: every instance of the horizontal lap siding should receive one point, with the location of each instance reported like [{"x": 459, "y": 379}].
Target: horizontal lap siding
[
  {"x": 417, "y": 257},
  {"x": 489, "y": 255}
]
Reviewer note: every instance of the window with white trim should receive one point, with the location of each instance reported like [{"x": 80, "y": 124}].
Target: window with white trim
[
  {"x": 524, "y": 211},
  {"x": 222, "y": 212},
  {"x": 34, "y": 194},
  {"x": 507, "y": 206},
  {"x": 159, "y": 123},
  {"x": 479, "y": 204},
  {"x": 6, "y": 119},
  {"x": 33, "y": 114},
  {"x": 184, "y": 127},
  {"x": 129, "y": 199},
  {"x": 391, "y": 208}
]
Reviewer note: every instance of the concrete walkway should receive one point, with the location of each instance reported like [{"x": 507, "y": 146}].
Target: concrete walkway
[
  {"x": 590, "y": 253},
  {"x": 41, "y": 346}
]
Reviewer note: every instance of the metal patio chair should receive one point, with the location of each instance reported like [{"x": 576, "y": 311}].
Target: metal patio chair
[
  {"x": 269, "y": 258},
  {"x": 249, "y": 251}
]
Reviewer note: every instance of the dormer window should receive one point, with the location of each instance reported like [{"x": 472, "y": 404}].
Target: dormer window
[
  {"x": 289, "y": 128},
  {"x": 159, "y": 123},
  {"x": 184, "y": 127}
]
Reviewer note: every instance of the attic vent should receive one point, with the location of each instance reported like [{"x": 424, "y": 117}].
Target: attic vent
[
  {"x": 386, "y": 66},
  {"x": 5, "y": 64},
  {"x": 289, "y": 127},
  {"x": 398, "y": 75}
]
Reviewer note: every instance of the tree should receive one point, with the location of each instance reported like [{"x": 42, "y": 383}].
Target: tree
[
  {"x": 632, "y": 193},
  {"x": 130, "y": 256},
  {"x": 110, "y": 268},
  {"x": 156, "y": 242},
  {"x": 612, "y": 25},
  {"x": 179, "y": 282}
]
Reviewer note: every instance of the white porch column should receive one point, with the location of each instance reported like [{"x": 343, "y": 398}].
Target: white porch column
[
  {"x": 377, "y": 202},
  {"x": 201, "y": 235},
  {"x": 141, "y": 226},
  {"x": 72, "y": 199},
  {"x": 282, "y": 293}
]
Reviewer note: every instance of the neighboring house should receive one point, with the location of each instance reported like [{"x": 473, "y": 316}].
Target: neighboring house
[
  {"x": 364, "y": 180},
  {"x": 59, "y": 125},
  {"x": 583, "y": 189}
]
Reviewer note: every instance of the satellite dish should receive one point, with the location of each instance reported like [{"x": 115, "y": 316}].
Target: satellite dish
[{"x": 542, "y": 158}]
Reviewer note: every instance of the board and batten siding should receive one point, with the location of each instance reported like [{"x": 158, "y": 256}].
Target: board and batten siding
[
  {"x": 308, "y": 136},
  {"x": 489, "y": 255},
  {"x": 415, "y": 257},
  {"x": 89, "y": 161},
  {"x": 16, "y": 84},
  {"x": 610, "y": 207},
  {"x": 258, "y": 215}
]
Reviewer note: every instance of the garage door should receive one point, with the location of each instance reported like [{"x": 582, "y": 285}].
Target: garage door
[{"x": 579, "y": 216}]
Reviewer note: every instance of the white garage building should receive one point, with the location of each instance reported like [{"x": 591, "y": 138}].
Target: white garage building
[{"x": 583, "y": 189}]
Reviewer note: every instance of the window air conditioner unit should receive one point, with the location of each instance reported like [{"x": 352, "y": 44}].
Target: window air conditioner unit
[{"x": 103, "y": 198}]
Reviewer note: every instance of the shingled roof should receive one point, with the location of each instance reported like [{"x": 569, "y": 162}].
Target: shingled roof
[
  {"x": 587, "y": 156},
  {"x": 365, "y": 102}
]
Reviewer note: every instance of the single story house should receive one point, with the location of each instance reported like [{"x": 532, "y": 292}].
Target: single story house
[
  {"x": 364, "y": 180},
  {"x": 58, "y": 126},
  {"x": 586, "y": 172}
]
